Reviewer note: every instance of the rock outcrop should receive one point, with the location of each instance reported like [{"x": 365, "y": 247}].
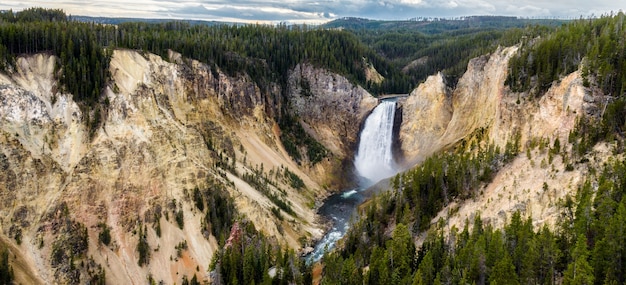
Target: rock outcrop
[
  {"x": 444, "y": 117},
  {"x": 434, "y": 118},
  {"x": 426, "y": 113},
  {"x": 478, "y": 94},
  {"x": 535, "y": 181},
  {"x": 551, "y": 116}
]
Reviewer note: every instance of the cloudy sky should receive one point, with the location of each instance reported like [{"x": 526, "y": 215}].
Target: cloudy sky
[{"x": 321, "y": 10}]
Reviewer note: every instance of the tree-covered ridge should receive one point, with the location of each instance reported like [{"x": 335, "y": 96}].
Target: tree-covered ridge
[
  {"x": 264, "y": 52},
  {"x": 427, "y": 188},
  {"x": 596, "y": 43},
  {"x": 424, "y": 47},
  {"x": 83, "y": 61},
  {"x": 34, "y": 15},
  {"x": 433, "y": 26},
  {"x": 118, "y": 20}
]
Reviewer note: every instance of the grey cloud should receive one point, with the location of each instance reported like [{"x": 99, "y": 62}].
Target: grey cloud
[
  {"x": 249, "y": 13},
  {"x": 321, "y": 10}
]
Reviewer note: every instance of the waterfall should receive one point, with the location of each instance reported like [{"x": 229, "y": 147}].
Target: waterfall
[
  {"x": 374, "y": 159},
  {"x": 373, "y": 162}
]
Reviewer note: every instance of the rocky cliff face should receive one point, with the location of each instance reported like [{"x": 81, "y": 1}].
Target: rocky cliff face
[
  {"x": 330, "y": 107},
  {"x": 331, "y": 110},
  {"x": 478, "y": 94},
  {"x": 444, "y": 117},
  {"x": 434, "y": 118},
  {"x": 169, "y": 127},
  {"x": 536, "y": 180},
  {"x": 172, "y": 126}
]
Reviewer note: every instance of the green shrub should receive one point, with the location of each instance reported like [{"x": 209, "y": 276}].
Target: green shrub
[
  {"x": 105, "y": 234},
  {"x": 143, "y": 248},
  {"x": 180, "y": 219}
]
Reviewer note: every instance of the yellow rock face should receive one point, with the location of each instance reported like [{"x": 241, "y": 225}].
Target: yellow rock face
[
  {"x": 164, "y": 129},
  {"x": 434, "y": 118}
]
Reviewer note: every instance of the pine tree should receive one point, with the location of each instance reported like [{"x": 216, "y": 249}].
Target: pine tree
[
  {"x": 6, "y": 272},
  {"x": 402, "y": 253},
  {"x": 504, "y": 272},
  {"x": 418, "y": 278},
  {"x": 248, "y": 265},
  {"x": 548, "y": 256},
  {"x": 426, "y": 272},
  {"x": 143, "y": 248},
  {"x": 610, "y": 252},
  {"x": 579, "y": 272}
]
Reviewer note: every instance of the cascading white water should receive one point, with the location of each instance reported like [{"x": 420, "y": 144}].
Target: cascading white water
[
  {"x": 374, "y": 159},
  {"x": 373, "y": 162}
]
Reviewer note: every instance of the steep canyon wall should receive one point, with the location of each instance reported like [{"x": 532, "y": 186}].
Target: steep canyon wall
[{"x": 168, "y": 127}]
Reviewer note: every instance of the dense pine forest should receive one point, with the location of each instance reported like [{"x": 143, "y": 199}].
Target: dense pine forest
[
  {"x": 264, "y": 52},
  {"x": 588, "y": 246}
]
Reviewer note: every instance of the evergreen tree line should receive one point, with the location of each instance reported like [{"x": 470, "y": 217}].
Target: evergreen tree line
[
  {"x": 33, "y": 15},
  {"x": 82, "y": 67},
  {"x": 426, "y": 189},
  {"x": 452, "y": 52},
  {"x": 82, "y": 59},
  {"x": 598, "y": 44},
  {"x": 266, "y": 53},
  {"x": 251, "y": 258},
  {"x": 587, "y": 246}
]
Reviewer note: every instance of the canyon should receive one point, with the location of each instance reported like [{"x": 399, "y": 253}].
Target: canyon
[{"x": 171, "y": 125}]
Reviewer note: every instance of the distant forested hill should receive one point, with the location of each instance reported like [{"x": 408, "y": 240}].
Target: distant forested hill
[
  {"x": 422, "y": 47},
  {"x": 433, "y": 26}
]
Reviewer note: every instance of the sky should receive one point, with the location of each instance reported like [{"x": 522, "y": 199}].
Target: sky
[{"x": 300, "y": 11}]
